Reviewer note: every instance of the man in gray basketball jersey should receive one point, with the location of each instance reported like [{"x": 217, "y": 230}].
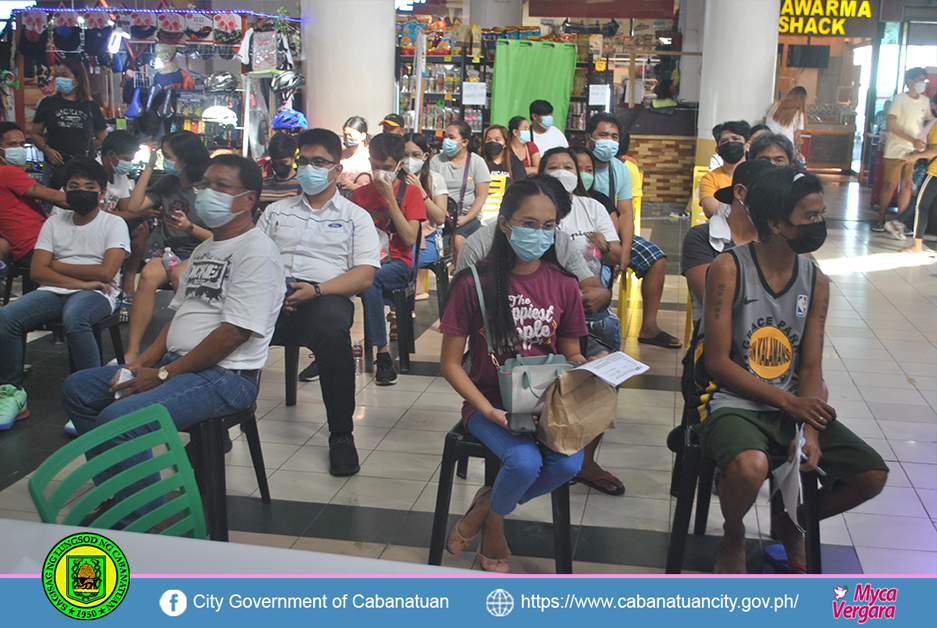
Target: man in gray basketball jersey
[{"x": 759, "y": 375}]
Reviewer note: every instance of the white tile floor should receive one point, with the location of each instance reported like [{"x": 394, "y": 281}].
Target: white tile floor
[{"x": 880, "y": 363}]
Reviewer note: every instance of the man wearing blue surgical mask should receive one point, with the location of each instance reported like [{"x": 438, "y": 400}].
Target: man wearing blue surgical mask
[
  {"x": 206, "y": 361},
  {"x": 545, "y": 134},
  {"x": 330, "y": 253},
  {"x": 645, "y": 258},
  {"x": 21, "y": 216}
]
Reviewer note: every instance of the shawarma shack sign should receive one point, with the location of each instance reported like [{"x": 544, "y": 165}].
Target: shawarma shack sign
[{"x": 830, "y": 18}]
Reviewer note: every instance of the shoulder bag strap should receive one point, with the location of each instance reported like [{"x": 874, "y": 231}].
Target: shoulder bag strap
[
  {"x": 468, "y": 158},
  {"x": 612, "y": 190},
  {"x": 400, "y": 190},
  {"x": 481, "y": 303}
]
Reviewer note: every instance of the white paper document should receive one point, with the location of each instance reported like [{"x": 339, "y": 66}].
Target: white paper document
[
  {"x": 615, "y": 368},
  {"x": 787, "y": 479}
]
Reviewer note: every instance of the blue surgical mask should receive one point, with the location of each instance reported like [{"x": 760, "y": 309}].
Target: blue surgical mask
[
  {"x": 169, "y": 167},
  {"x": 530, "y": 244},
  {"x": 605, "y": 150},
  {"x": 546, "y": 122},
  {"x": 123, "y": 167},
  {"x": 214, "y": 208},
  {"x": 450, "y": 147},
  {"x": 313, "y": 179},
  {"x": 64, "y": 85},
  {"x": 525, "y": 136},
  {"x": 15, "y": 155}
]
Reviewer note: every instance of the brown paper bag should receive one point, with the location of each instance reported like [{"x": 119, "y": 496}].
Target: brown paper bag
[{"x": 577, "y": 407}]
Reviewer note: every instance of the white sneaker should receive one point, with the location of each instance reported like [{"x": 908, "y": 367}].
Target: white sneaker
[{"x": 895, "y": 229}]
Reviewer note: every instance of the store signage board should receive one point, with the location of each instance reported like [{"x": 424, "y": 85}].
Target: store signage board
[
  {"x": 618, "y": 9},
  {"x": 848, "y": 18},
  {"x": 474, "y": 93},
  {"x": 599, "y": 95}
]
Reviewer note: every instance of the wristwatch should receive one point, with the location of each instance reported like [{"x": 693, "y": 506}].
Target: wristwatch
[
  {"x": 608, "y": 247},
  {"x": 317, "y": 289},
  {"x": 163, "y": 374}
]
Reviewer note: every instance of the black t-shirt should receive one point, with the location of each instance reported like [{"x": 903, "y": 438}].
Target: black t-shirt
[
  {"x": 70, "y": 125},
  {"x": 696, "y": 248},
  {"x": 517, "y": 166},
  {"x": 169, "y": 197},
  {"x": 606, "y": 201}
]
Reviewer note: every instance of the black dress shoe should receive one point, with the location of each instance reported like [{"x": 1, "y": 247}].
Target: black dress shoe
[{"x": 343, "y": 457}]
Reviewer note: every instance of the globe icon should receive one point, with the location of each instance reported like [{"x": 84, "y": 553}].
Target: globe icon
[{"x": 500, "y": 603}]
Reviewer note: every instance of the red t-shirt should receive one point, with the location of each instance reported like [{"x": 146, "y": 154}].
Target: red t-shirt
[
  {"x": 413, "y": 208},
  {"x": 21, "y": 219},
  {"x": 547, "y": 305},
  {"x": 532, "y": 150}
]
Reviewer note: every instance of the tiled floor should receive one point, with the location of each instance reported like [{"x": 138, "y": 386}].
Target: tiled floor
[{"x": 880, "y": 365}]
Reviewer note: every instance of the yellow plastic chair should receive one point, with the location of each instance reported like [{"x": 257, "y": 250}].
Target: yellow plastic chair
[{"x": 697, "y": 217}]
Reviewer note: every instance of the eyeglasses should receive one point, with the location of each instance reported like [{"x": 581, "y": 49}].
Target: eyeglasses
[
  {"x": 531, "y": 223},
  {"x": 201, "y": 186},
  {"x": 318, "y": 162}
]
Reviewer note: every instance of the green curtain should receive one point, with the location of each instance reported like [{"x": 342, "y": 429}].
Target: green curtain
[{"x": 528, "y": 71}]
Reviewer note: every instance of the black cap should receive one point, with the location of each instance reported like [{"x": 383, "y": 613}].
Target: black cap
[
  {"x": 393, "y": 119},
  {"x": 745, "y": 173}
]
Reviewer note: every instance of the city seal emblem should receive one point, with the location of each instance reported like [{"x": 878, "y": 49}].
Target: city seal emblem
[{"x": 85, "y": 576}]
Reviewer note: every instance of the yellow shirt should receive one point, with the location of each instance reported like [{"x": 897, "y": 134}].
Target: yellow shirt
[
  {"x": 712, "y": 182},
  {"x": 636, "y": 187}
]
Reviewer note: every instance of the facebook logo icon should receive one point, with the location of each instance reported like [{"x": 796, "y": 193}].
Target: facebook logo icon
[{"x": 173, "y": 602}]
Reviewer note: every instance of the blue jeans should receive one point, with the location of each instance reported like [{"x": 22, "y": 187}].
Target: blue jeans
[
  {"x": 394, "y": 274},
  {"x": 190, "y": 398},
  {"x": 529, "y": 470},
  {"x": 78, "y": 312},
  {"x": 606, "y": 328},
  {"x": 430, "y": 254}
]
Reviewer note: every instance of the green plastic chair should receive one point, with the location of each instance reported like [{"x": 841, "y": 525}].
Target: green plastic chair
[{"x": 187, "y": 500}]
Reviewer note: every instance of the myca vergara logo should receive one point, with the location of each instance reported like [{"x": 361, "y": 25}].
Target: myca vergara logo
[
  {"x": 86, "y": 576},
  {"x": 866, "y": 603}
]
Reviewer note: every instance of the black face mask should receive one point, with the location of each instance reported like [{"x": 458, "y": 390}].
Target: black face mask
[
  {"x": 282, "y": 171},
  {"x": 82, "y": 202},
  {"x": 810, "y": 237},
  {"x": 732, "y": 152},
  {"x": 494, "y": 148}
]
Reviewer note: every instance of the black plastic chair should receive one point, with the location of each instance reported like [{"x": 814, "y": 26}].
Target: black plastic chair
[
  {"x": 207, "y": 445},
  {"x": 15, "y": 270},
  {"x": 695, "y": 474},
  {"x": 460, "y": 445}
]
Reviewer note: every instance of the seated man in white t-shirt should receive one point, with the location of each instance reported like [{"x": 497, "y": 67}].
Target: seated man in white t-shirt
[
  {"x": 331, "y": 251},
  {"x": 76, "y": 263},
  {"x": 207, "y": 360},
  {"x": 545, "y": 135}
]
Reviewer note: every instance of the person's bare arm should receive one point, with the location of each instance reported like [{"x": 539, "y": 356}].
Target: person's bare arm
[
  {"x": 810, "y": 376},
  {"x": 450, "y": 366},
  {"x": 595, "y": 296},
  {"x": 46, "y": 195},
  {"x": 571, "y": 349},
  {"x": 408, "y": 230},
  {"x": 99, "y": 138},
  {"x": 930, "y": 153},
  {"x": 103, "y": 272},
  {"x": 139, "y": 203},
  {"x": 348, "y": 284},
  {"x": 611, "y": 251},
  {"x": 214, "y": 348},
  {"x": 40, "y": 141},
  {"x": 696, "y": 280},
  {"x": 709, "y": 205},
  {"x": 481, "y": 195},
  {"x": 625, "y": 230},
  {"x": 720, "y": 292},
  {"x": 41, "y": 273}
]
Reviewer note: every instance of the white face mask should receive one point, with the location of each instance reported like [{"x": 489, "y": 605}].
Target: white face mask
[
  {"x": 384, "y": 175},
  {"x": 919, "y": 86},
  {"x": 413, "y": 165},
  {"x": 567, "y": 178}
]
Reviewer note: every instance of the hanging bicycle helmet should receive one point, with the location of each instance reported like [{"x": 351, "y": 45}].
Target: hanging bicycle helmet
[
  {"x": 288, "y": 81},
  {"x": 221, "y": 82},
  {"x": 289, "y": 120}
]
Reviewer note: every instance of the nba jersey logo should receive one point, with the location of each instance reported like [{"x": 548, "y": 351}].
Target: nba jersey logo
[{"x": 801, "y": 305}]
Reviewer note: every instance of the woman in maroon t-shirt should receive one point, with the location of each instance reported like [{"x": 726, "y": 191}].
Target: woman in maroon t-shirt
[{"x": 533, "y": 308}]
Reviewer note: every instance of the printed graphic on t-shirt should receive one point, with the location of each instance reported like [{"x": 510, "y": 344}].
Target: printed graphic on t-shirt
[
  {"x": 771, "y": 348},
  {"x": 207, "y": 277},
  {"x": 535, "y": 325},
  {"x": 68, "y": 118}
]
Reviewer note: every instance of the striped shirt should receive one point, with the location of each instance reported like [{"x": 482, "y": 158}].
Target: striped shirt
[{"x": 276, "y": 189}]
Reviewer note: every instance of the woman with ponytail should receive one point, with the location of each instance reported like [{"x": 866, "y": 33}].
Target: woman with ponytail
[{"x": 533, "y": 308}]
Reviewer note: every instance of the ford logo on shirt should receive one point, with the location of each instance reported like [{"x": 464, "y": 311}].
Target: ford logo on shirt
[{"x": 335, "y": 225}]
